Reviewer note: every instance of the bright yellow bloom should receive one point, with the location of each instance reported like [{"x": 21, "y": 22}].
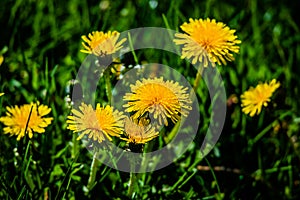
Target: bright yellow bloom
[
  {"x": 98, "y": 124},
  {"x": 102, "y": 44},
  {"x": 255, "y": 98},
  {"x": 138, "y": 132},
  {"x": 207, "y": 41},
  {"x": 1, "y": 94},
  {"x": 28, "y": 115},
  {"x": 1, "y": 59},
  {"x": 162, "y": 99}
]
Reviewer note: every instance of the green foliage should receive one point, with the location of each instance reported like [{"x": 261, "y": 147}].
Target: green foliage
[{"x": 255, "y": 158}]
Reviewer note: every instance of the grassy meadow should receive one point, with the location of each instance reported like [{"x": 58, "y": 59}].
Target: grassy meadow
[{"x": 256, "y": 157}]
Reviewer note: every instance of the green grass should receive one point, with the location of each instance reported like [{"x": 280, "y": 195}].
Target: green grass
[{"x": 255, "y": 158}]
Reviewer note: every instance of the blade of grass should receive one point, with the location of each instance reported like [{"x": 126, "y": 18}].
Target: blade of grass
[
  {"x": 132, "y": 49},
  {"x": 170, "y": 32},
  {"x": 70, "y": 178},
  {"x": 182, "y": 178},
  {"x": 27, "y": 165},
  {"x": 66, "y": 175},
  {"x": 27, "y": 175},
  {"x": 47, "y": 75},
  {"x": 9, "y": 192},
  {"x": 214, "y": 176},
  {"x": 166, "y": 23},
  {"x": 265, "y": 130},
  {"x": 188, "y": 178},
  {"x": 22, "y": 192}
]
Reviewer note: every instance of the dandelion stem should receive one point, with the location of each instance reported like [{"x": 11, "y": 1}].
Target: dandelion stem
[
  {"x": 92, "y": 178},
  {"x": 75, "y": 146},
  {"x": 108, "y": 85},
  {"x": 132, "y": 184},
  {"x": 198, "y": 77}
]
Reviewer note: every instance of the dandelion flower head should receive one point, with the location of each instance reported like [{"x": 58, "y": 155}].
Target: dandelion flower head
[
  {"x": 98, "y": 124},
  {"x": 26, "y": 119},
  {"x": 102, "y": 44},
  {"x": 162, "y": 99},
  {"x": 255, "y": 98},
  {"x": 207, "y": 41},
  {"x": 138, "y": 132}
]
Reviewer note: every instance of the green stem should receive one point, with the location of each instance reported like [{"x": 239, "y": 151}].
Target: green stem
[
  {"x": 195, "y": 86},
  {"x": 265, "y": 130},
  {"x": 131, "y": 184},
  {"x": 92, "y": 178},
  {"x": 108, "y": 85},
  {"x": 75, "y": 146},
  {"x": 198, "y": 77},
  {"x": 173, "y": 132}
]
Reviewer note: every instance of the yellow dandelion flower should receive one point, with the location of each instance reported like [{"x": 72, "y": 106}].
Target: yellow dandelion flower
[
  {"x": 1, "y": 59},
  {"x": 254, "y": 98},
  {"x": 207, "y": 41},
  {"x": 98, "y": 124},
  {"x": 138, "y": 132},
  {"x": 162, "y": 99},
  {"x": 1, "y": 94},
  {"x": 28, "y": 115},
  {"x": 102, "y": 44}
]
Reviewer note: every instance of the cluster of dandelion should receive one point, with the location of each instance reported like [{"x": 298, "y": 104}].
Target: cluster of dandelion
[
  {"x": 164, "y": 100},
  {"x": 152, "y": 103},
  {"x": 151, "y": 99},
  {"x": 205, "y": 42},
  {"x": 210, "y": 42}
]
